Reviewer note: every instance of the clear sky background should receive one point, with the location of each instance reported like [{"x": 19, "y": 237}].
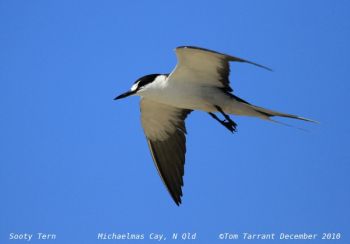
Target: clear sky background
[{"x": 75, "y": 163}]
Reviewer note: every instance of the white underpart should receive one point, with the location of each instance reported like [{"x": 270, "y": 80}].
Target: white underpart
[{"x": 194, "y": 96}]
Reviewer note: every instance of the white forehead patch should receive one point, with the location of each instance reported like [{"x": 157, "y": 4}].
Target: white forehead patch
[{"x": 134, "y": 86}]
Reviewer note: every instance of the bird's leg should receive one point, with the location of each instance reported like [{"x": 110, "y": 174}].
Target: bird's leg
[
  {"x": 230, "y": 125},
  {"x": 225, "y": 115},
  {"x": 228, "y": 121}
]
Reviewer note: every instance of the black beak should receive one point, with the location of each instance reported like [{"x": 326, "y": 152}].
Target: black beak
[{"x": 126, "y": 94}]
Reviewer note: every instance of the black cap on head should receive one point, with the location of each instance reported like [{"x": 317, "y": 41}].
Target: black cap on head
[
  {"x": 141, "y": 82},
  {"x": 144, "y": 80}
]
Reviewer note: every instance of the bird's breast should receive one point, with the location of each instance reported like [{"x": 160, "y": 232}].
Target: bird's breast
[{"x": 186, "y": 96}]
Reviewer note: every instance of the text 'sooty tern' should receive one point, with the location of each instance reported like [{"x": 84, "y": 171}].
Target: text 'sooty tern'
[{"x": 200, "y": 81}]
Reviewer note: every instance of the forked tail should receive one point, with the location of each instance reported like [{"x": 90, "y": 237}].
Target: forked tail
[{"x": 270, "y": 113}]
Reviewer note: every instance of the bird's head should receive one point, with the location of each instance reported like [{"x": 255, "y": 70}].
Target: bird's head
[{"x": 139, "y": 85}]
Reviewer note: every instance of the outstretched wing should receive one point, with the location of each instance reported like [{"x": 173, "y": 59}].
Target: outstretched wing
[
  {"x": 204, "y": 66},
  {"x": 165, "y": 130}
]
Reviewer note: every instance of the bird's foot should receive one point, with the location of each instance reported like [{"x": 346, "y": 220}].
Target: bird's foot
[
  {"x": 228, "y": 122},
  {"x": 230, "y": 125}
]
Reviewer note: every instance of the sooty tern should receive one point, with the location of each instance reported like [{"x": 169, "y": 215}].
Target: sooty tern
[{"x": 200, "y": 81}]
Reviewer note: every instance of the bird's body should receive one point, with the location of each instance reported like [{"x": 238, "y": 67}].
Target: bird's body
[
  {"x": 189, "y": 95},
  {"x": 200, "y": 81},
  {"x": 184, "y": 94}
]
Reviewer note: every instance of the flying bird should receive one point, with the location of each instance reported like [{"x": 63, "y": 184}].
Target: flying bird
[{"x": 200, "y": 81}]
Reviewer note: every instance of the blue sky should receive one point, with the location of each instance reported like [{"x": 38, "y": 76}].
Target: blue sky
[{"x": 75, "y": 163}]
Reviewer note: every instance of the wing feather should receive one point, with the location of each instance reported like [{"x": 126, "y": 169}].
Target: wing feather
[
  {"x": 166, "y": 138},
  {"x": 205, "y": 66}
]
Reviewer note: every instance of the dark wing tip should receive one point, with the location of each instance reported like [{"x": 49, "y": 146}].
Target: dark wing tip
[
  {"x": 236, "y": 59},
  {"x": 175, "y": 196},
  {"x": 174, "y": 190},
  {"x": 249, "y": 62},
  {"x": 177, "y": 201}
]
